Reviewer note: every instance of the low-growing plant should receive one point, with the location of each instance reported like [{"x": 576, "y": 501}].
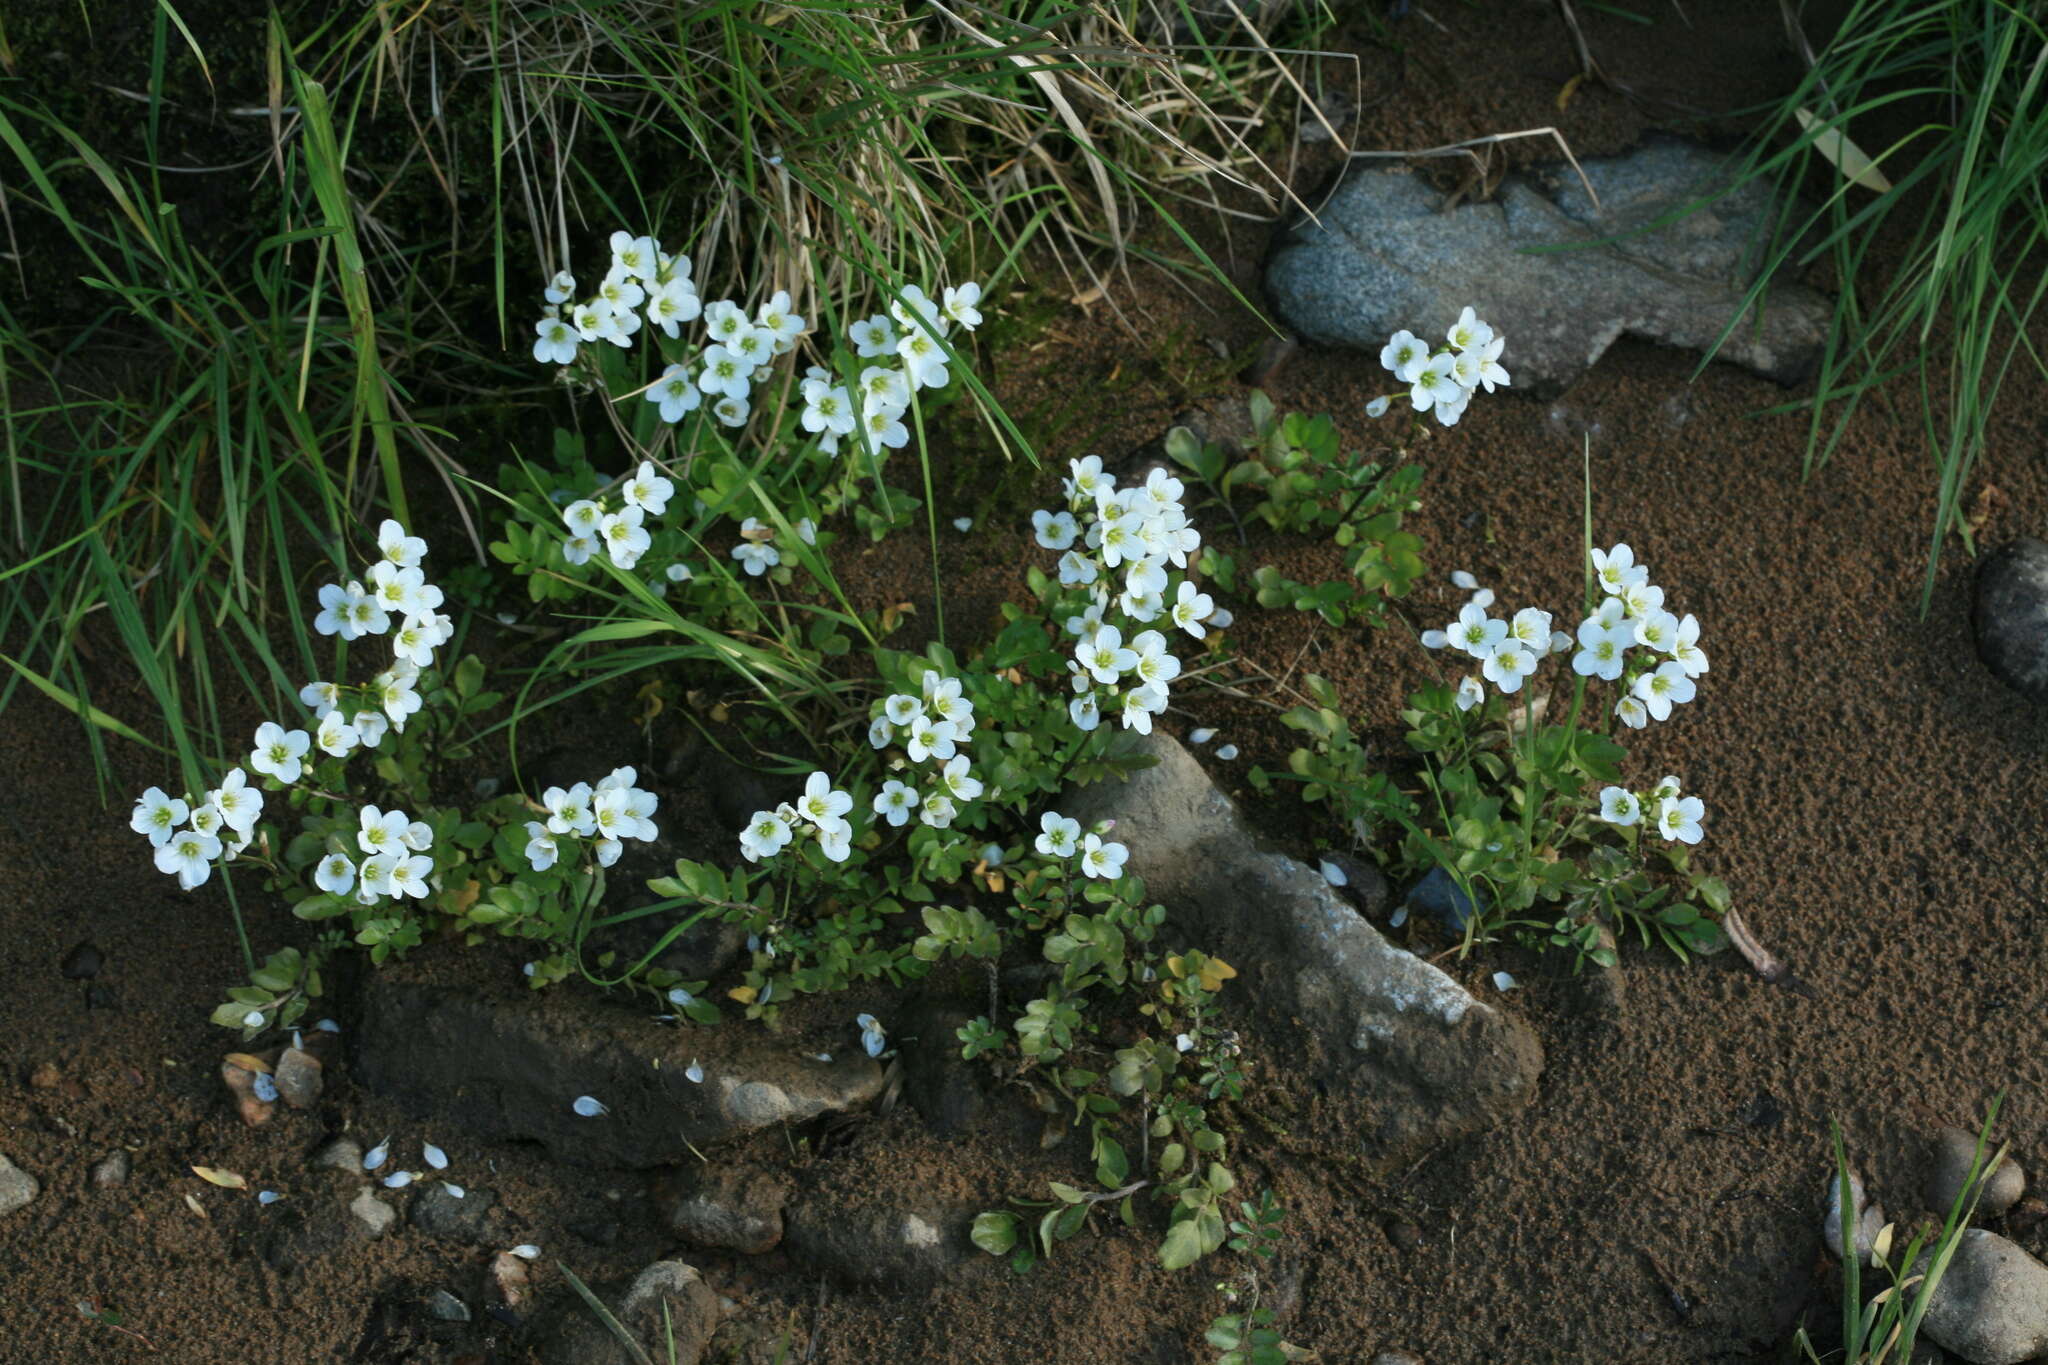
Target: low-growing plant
[{"x": 1525, "y": 814}]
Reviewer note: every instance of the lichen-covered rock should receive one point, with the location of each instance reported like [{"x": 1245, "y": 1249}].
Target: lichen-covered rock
[
  {"x": 1380, "y": 256},
  {"x": 1414, "y": 1055}
]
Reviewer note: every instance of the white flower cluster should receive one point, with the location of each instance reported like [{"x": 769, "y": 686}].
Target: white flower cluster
[
  {"x": 1675, "y": 817},
  {"x": 223, "y": 824},
  {"x": 909, "y": 334},
  {"x": 932, "y": 727},
  {"x": 621, "y": 530},
  {"x": 1060, "y": 836},
  {"x": 645, "y": 280},
  {"x": 1630, "y": 616},
  {"x": 398, "y": 590},
  {"x": 395, "y": 861},
  {"x": 1443, "y": 379},
  {"x": 756, "y": 550},
  {"x": 821, "y": 809},
  {"x": 611, "y": 812},
  {"x": 1140, "y": 530}
]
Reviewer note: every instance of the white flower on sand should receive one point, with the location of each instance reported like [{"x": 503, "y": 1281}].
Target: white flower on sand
[
  {"x": 1678, "y": 819},
  {"x": 1507, "y": 666},
  {"x": 1475, "y": 632},
  {"x": 1659, "y": 690},
  {"x": 1603, "y": 649},
  {"x": 1686, "y": 649},
  {"x": 1617, "y": 569},
  {"x": 1619, "y": 806}
]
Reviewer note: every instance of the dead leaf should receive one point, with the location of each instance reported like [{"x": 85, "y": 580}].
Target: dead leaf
[
  {"x": 1988, "y": 503},
  {"x": 1767, "y": 966},
  {"x": 1571, "y": 87},
  {"x": 192, "y": 1203},
  {"x": 466, "y": 895},
  {"x": 248, "y": 1061},
  {"x": 1834, "y": 144},
  {"x": 743, "y": 994},
  {"x": 227, "y": 1180}
]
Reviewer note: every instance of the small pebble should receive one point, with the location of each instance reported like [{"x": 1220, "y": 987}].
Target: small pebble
[
  {"x": 112, "y": 1170},
  {"x": 82, "y": 963},
  {"x": 373, "y": 1215},
  {"x": 342, "y": 1154},
  {"x": 446, "y": 1307},
  {"x": 46, "y": 1076},
  {"x": 299, "y": 1078},
  {"x": 1954, "y": 1151},
  {"x": 509, "y": 1272},
  {"x": 1869, "y": 1220}
]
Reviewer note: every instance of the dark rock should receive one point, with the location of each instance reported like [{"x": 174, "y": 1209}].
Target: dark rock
[
  {"x": 112, "y": 1170},
  {"x": 1954, "y": 1153},
  {"x": 2010, "y": 616},
  {"x": 303, "y": 1234},
  {"x": 1402, "y": 1045},
  {"x": 1405, "y": 1236},
  {"x": 667, "y": 1302},
  {"x": 83, "y": 962},
  {"x": 498, "y": 1063},
  {"x": 729, "y": 1208},
  {"x": 298, "y": 1078},
  {"x": 1991, "y": 1308},
  {"x": 438, "y": 1213},
  {"x": 1365, "y": 886},
  {"x": 1380, "y": 256},
  {"x": 445, "y": 1307},
  {"x": 17, "y": 1187},
  {"x": 907, "y": 1249},
  {"x": 1438, "y": 896}
]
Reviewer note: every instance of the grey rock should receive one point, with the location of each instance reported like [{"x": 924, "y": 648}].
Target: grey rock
[
  {"x": 1437, "y": 896},
  {"x": 299, "y": 1078},
  {"x": 373, "y": 1216},
  {"x": 445, "y": 1307},
  {"x": 1954, "y": 1152},
  {"x": 497, "y": 1062},
  {"x": 2010, "y": 616},
  {"x": 908, "y": 1249},
  {"x": 1397, "y": 1358},
  {"x": 1412, "y": 1054},
  {"x": 1869, "y": 1217},
  {"x": 17, "y": 1187},
  {"x": 438, "y": 1213},
  {"x": 342, "y": 1154},
  {"x": 730, "y": 1208},
  {"x": 1380, "y": 257},
  {"x": 1991, "y": 1308},
  {"x": 570, "y": 1334},
  {"x": 112, "y": 1170}
]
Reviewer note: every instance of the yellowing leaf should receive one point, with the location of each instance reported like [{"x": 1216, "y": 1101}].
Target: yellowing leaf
[
  {"x": 1215, "y": 972},
  {"x": 743, "y": 994},
  {"x": 249, "y": 1061},
  {"x": 227, "y": 1180},
  {"x": 465, "y": 895},
  {"x": 1834, "y": 144},
  {"x": 192, "y": 1203}
]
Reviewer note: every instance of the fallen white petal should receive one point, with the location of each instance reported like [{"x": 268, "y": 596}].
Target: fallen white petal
[
  {"x": 1332, "y": 873},
  {"x": 328, "y": 1026},
  {"x": 436, "y": 1158},
  {"x": 398, "y": 1180},
  {"x": 1227, "y": 752},
  {"x": 695, "y": 1071},
  {"x": 526, "y": 1251},
  {"x": 1399, "y": 918},
  {"x": 375, "y": 1156},
  {"x": 1503, "y": 982},
  {"x": 268, "y": 1196},
  {"x": 1435, "y": 639},
  {"x": 590, "y": 1107},
  {"x": 1483, "y": 598},
  {"x": 454, "y": 1191},
  {"x": 1201, "y": 736},
  {"x": 1463, "y": 580},
  {"x": 963, "y": 524}
]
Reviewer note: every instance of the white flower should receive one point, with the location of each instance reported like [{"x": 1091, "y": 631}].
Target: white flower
[
  {"x": 335, "y": 874},
  {"x": 1619, "y": 806},
  {"x": 579, "y": 549},
  {"x": 732, "y": 412},
  {"x": 764, "y": 836},
  {"x": 408, "y": 876},
  {"x": 336, "y": 736},
  {"x": 648, "y": 490},
  {"x": 1099, "y": 859},
  {"x": 827, "y": 408},
  {"x": 872, "y": 337},
  {"x": 239, "y": 803},
  {"x": 1104, "y": 656},
  {"x": 1405, "y": 356},
  {"x": 1532, "y": 628},
  {"x": 1054, "y": 530},
  {"x": 188, "y": 855},
  {"x": 582, "y": 517},
  {"x": 1642, "y": 598},
  {"x": 961, "y": 304},
  {"x": 672, "y": 303},
  {"x": 569, "y": 810},
  {"x": 1490, "y": 372},
  {"x": 1076, "y": 569},
  {"x": 924, "y": 360},
  {"x": 338, "y": 607},
  {"x": 873, "y": 1036},
  {"x": 1657, "y": 629},
  {"x": 1475, "y": 632},
  {"x": 820, "y": 804},
  {"x": 1657, "y": 691},
  {"x": 835, "y": 840},
  {"x": 1679, "y": 819},
  {"x": 1154, "y": 664},
  {"x": 554, "y": 342},
  {"x": 1603, "y": 650},
  {"x": 414, "y": 641},
  {"x": 1448, "y": 413},
  {"x": 1468, "y": 332},
  {"x": 1191, "y": 609},
  {"x": 560, "y": 289},
  {"x": 938, "y": 810},
  {"x": 380, "y": 831},
  {"x": 1057, "y": 835},
  {"x": 1631, "y": 713},
  {"x": 1085, "y": 712},
  {"x": 278, "y": 751},
  {"x": 1140, "y": 704},
  {"x": 895, "y": 802},
  {"x": 624, "y": 536},
  {"x": 541, "y": 850},
  {"x": 757, "y": 557},
  {"x": 1433, "y": 384},
  {"x": 781, "y": 324},
  {"x": 930, "y": 739},
  {"x": 1377, "y": 408},
  {"x": 397, "y": 547},
  {"x": 1685, "y": 647},
  {"x": 1470, "y": 693},
  {"x": 676, "y": 395},
  {"x": 158, "y": 814},
  {"x": 958, "y": 781},
  {"x": 1617, "y": 569},
  {"x": 321, "y": 696},
  {"x": 1507, "y": 666},
  {"x": 901, "y": 708}
]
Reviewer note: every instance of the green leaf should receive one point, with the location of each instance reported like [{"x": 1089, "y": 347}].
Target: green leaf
[
  {"x": 995, "y": 1232},
  {"x": 1182, "y": 1247}
]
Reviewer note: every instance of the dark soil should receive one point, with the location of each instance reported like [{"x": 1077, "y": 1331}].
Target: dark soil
[{"x": 1874, "y": 801}]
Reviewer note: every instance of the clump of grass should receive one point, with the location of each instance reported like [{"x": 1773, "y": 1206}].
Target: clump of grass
[{"x": 1964, "y": 78}]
